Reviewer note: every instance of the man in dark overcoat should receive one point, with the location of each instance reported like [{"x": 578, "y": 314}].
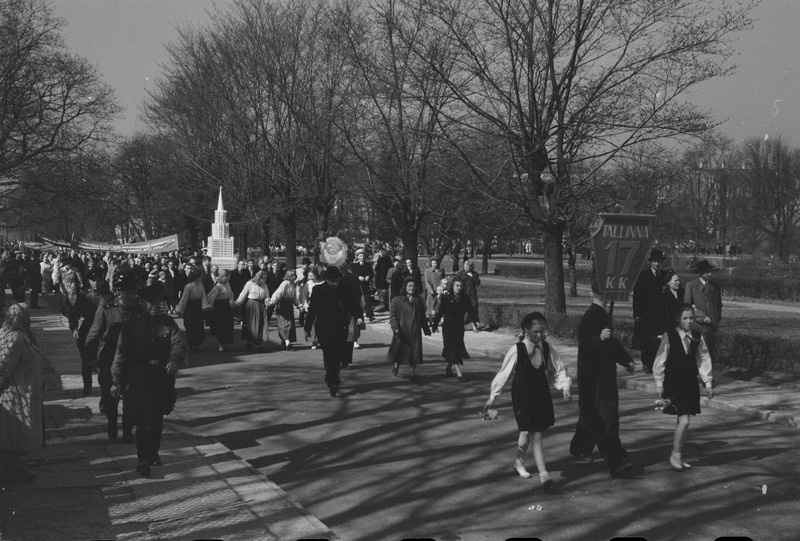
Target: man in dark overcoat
[
  {"x": 646, "y": 309},
  {"x": 149, "y": 353},
  {"x": 362, "y": 270},
  {"x": 105, "y": 330},
  {"x": 331, "y": 306},
  {"x": 705, "y": 295},
  {"x": 599, "y": 353}
]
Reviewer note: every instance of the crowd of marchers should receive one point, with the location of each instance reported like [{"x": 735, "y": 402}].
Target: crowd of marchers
[{"x": 121, "y": 310}]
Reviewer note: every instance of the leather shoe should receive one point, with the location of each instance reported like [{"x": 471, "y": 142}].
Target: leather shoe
[
  {"x": 620, "y": 468},
  {"x": 156, "y": 461},
  {"x": 143, "y": 467},
  {"x": 111, "y": 429},
  {"x": 334, "y": 390},
  {"x": 583, "y": 458}
]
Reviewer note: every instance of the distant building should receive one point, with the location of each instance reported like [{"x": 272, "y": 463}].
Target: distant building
[{"x": 220, "y": 243}]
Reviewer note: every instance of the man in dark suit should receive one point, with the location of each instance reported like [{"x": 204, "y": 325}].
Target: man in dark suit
[
  {"x": 362, "y": 270},
  {"x": 646, "y": 295},
  {"x": 599, "y": 353},
  {"x": 705, "y": 294},
  {"x": 331, "y": 306}
]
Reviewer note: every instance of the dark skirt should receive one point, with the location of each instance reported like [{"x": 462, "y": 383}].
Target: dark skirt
[
  {"x": 193, "y": 321},
  {"x": 285, "y": 320},
  {"x": 223, "y": 321},
  {"x": 254, "y": 323},
  {"x": 454, "y": 351},
  {"x": 684, "y": 392},
  {"x": 530, "y": 397}
]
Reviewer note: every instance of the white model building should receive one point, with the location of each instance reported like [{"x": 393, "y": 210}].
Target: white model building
[{"x": 220, "y": 243}]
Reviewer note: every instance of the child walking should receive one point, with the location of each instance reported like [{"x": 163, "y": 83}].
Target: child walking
[
  {"x": 681, "y": 356},
  {"x": 531, "y": 361}
]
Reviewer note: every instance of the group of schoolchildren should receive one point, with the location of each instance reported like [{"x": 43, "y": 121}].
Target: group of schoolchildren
[{"x": 682, "y": 355}]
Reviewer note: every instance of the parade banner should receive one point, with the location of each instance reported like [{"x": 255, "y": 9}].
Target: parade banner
[
  {"x": 621, "y": 245},
  {"x": 163, "y": 244}
]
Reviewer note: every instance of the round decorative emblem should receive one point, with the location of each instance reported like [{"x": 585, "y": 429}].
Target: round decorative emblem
[{"x": 333, "y": 252}]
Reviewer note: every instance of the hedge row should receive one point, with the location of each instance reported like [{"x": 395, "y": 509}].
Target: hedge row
[
  {"x": 535, "y": 272},
  {"x": 740, "y": 286},
  {"x": 755, "y": 350}
]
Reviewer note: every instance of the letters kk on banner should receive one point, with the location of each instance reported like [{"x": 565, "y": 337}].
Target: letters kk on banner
[{"x": 621, "y": 245}]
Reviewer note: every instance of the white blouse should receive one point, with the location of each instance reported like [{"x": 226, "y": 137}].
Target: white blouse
[
  {"x": 220, "y": 292},
  {"x": 555, "y": 368},
  {"x": 287, "y": 290},
  {"x": 703, "y": 358},
  {"x": 253, "y": 291},
  {"x": 191, "y": 291}
]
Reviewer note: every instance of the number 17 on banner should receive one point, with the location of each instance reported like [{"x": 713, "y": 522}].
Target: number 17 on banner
[{"x": 620, "y": 246}]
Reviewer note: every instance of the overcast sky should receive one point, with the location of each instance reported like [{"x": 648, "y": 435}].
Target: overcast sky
[{"x": 125, "y": 39}]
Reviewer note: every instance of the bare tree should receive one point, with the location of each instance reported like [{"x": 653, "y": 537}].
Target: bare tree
[
  {"x": 569, "y": 81},
  {"x": 52, "y": 103},
  {"x": 772, "y": 194},
  {"x": 398, "y": 100}
]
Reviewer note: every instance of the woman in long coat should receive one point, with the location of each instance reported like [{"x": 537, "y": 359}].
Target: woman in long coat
[
  {"x": 669, "y": 303},
  {"x": 255, "y": 327},
  {"x": 21, "y": 401},
  {"x": 454, "y": 306},
  {"x": 193, "y": 302},
  {"x": 284, "y": 299},
  {"x": 408, "y": 322},
  {"x": 220, "y": 299}
]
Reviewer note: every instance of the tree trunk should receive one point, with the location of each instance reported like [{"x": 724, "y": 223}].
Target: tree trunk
[
  {"x": 573, "y": 275},
  {"x": 555, "y": 303},
  {"x": 289, "y": 223},
  {"x": 194, "y": 233},
  {"x": 487, "y": 248},
  {"x": 409, "y": 236},
  {"x": 242, "y": 232},
  {"x": 266, "y": 238}
]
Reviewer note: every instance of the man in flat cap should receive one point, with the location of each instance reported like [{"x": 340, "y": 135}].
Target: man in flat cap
[
  {"x": 646, "y": 294},
  {"x": 705, "y": 295},
  {"x": 149, "y": 354}
]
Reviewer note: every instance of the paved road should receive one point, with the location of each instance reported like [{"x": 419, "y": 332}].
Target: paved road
[{"x": 390, "y": 459}]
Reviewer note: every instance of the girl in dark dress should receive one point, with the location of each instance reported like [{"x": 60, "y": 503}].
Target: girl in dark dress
[
  {"x": 532, "y": 362},
  {"x": 682, "y": 355},
  {"x": 453, "y": 306},
  {"x": 193, "y": 301},
  {"x": 220, "y": 299}
]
